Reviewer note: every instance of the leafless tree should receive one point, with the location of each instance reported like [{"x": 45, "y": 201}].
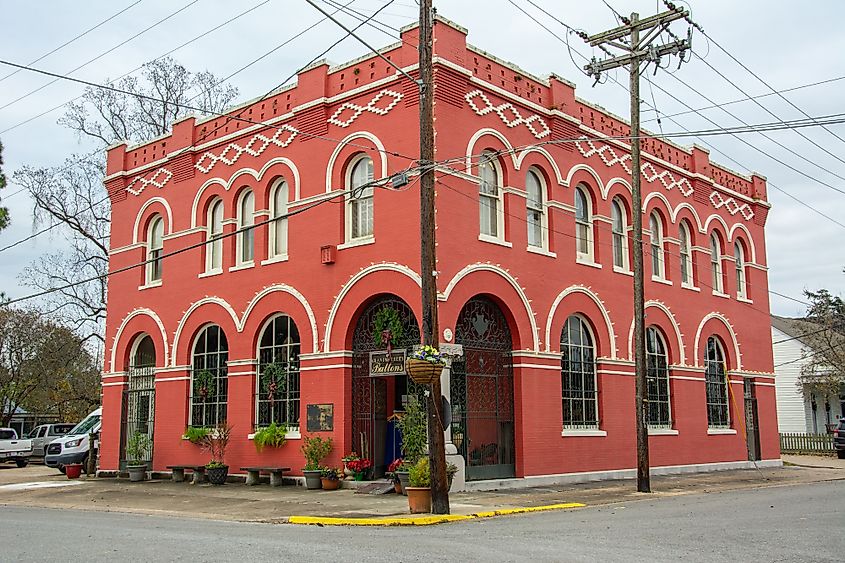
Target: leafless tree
[
  {"x": 823, "y": 373},
  {"x": 73, "y": 194}
]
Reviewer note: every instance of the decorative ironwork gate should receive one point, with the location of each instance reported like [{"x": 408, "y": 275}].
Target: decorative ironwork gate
[
  {"x": 482, "y": 391},
  {"x": 139, "y": 407},
  {"x": 370, "y": 393}
]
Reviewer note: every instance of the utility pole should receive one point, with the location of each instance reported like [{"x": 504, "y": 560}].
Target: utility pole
[
  {"x": 428, "y": 264},
  {"x": 638, "y": 48}
]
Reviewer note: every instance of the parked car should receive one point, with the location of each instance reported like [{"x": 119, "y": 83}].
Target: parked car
[
  {"x": 74, "y": 447},
  {"x": 839, "y": 439},
  {"x": 14, "y": 449},
  {"x": 46, "y": 433}
]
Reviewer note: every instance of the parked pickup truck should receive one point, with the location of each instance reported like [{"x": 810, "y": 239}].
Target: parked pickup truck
[
  {"x": 13, "y": 449},
  {"x": 46, "y": 433}
]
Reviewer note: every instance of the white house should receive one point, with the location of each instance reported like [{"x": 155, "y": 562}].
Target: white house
[{"x": 797, "y": 413}]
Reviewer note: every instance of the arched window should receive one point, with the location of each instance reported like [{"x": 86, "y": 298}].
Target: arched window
[
  {"x": 716, "y": 264},
  {"x": 658, "y": 265},
  {"x": 739, "y": 256},
  {"x": 488, "y": 194},
  {"x": 209, "y": 384},
  {"x": 583, "y": 225},
  {"x": 686, "y": 255},
  {"x": 144, "y": 355},
  {"x": 138, "y": 411},
  {"x": 278, "y": 374},
  {"x": 657, "y": 380},
  {"x": 715, "y": 379},
  {"x": 360, "y": 208},
  {"x": 279, "y": 227},
  {"x": 214, "y": 248},
  {"x": 246, "y": 219},
  {"x": 578, "y": 375},
  {"x": 619, "y": 226},
  {"x": 535, "y": 206},
  {"x": 155, "y": 245}
]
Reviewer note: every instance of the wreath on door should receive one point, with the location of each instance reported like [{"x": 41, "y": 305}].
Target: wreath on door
[{"x": 388, "y": 327}]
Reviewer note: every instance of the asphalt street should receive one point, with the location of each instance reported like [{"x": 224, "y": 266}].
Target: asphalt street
[{"x": 787, "y": 523}]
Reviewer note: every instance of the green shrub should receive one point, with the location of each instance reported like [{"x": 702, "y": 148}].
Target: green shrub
[
  {"x": 414, "y": 428},
  {"x": 195, "y": 434},
  {"x": 137, "y": 448},
  {"x": 420, "y": 474},
  {"x": 272, "y": 436},
  {"x": 315, "y": 448}
]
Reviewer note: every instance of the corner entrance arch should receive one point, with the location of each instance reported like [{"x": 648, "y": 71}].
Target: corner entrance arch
[
  {"x": 139, "y": 398},
  {"x": 482, "y": 391}
]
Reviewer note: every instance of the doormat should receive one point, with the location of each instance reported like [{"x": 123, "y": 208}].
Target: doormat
[{"x": 378, "y": 488}]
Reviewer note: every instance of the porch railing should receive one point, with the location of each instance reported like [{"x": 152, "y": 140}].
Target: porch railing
[{"x": 799, "y": 443}]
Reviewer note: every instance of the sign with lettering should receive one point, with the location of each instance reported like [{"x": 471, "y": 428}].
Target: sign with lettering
[{"x": 382, "y": 365}]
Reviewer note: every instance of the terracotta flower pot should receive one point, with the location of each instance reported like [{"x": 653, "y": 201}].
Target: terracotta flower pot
[
  {"x": 73, "y": 470},
  {"x": 330, "y": 484},
  {"x": 419, "y": 499},
  {"x": 423, "y": 372},
  {"x": 397, "y": 487}
]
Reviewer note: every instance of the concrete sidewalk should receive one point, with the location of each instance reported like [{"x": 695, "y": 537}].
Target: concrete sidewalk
[{"x": 38, "y": 486}]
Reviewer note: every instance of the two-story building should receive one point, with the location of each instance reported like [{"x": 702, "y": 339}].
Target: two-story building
[{"x": 286, "y": 321}]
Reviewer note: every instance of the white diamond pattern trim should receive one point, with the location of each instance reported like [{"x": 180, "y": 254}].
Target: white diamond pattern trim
[
  {"x": 649, "y": 172},
  {"x": 154, "y": 180},
  {"x": 371, "y": 107},
  {"x": 257, "y": 145},
  {"x": 511, "y": 120},
  {"x": 733, "y": 207}
]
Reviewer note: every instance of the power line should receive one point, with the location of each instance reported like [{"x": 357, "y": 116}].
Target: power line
[{"x": 68, "y": 42}]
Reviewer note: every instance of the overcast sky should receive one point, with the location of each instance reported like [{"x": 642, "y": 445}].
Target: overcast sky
[{"x": 785, "y": 46}]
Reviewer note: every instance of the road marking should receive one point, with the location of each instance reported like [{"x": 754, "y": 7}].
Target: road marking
[{"x": 38, "y": 485}]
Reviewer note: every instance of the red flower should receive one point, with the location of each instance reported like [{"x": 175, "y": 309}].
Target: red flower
[
  {"x": 359, "y": 465},
  {"x": 395, "y": 465}
]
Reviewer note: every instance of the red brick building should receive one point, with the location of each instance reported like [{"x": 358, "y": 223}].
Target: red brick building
[{"x": 280, "y": 323}]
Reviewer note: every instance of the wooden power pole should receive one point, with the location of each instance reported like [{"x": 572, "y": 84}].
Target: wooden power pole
[
  {"x": 640, "y": 35},
  {"x": 428, "y": 264}
]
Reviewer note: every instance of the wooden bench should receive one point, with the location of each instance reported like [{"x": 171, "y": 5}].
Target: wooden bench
[
  {"x": 179, "y": 473},
  {"x": 276, "y": 474}
]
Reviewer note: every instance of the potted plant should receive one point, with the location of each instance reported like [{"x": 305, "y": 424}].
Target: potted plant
[
  {"x": 137, "y": 449},
  {"x": 195, "y": 434},
  {"x": 392, "y": 470},
  {"x": 314, "y": 448},
  {"x": 273, "y": 436},
  {"x": 215, "y": 442},
  {"x": 419, "y": 491},
  {"x": 359, "y": 468},
  {"x": 425, "y": 365},
  {"x": 351, "y": 456},
  {"x": 330, "y": 478},
  {"x": 414, "y": 430}
]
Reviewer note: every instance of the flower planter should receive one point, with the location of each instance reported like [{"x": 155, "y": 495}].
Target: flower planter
[
  {"x": 419, "y": 499},
  {"x": 73, "y": 470},
  {"x": 137, "y": 473},
  {"x": 330, "y": 484},
  {"x": 217, "y": 475},
  {"x": 423, "y": 372},
  {"x": 313, "y": 479},
  {"x": 404, "y": 481}
]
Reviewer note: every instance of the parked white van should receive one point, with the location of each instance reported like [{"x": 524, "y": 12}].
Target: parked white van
[{"x": 73, "y": 448}]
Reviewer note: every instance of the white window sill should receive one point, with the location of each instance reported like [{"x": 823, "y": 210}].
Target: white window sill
[
  {"x": 584, "y": 432},
  {"x": 720, "y": 431},
  {"x": 720, "y": 294},
  {"x": 662, "y": 432},
  {"x": 495, "y": 240},
  {"x": 540, "y": 251},
  {"x": 244, "y": 266},
  {"x": 743, "y": 299},
  {"x": 585, "y": 261},
  {"x": 149, "y": 285},
  {"x": 289, "y": 435},
  {"x": 357, "y": 242},
  {"x": 211, "y": 273},
  {"x": 623, "y": 271},
  {"x": 275, "y": 259},
  {"x": 664, "y": 281},
  {"x": 690, "y": 287}
]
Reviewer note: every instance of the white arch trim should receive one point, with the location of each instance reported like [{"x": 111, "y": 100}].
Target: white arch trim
[
  {"x": 606, "y": 189},
  {"x": 682, "y": 356},
  {"x": 727, "y": 324},
  {"x": 595, "y": 298},
  {"x": 137, "y": 312},
  {"x": 661, "y": 197},
  {"x": 474, "y": 139},
  {"x": 743, "y": 228},
  {"x": 599, "y": 184},
  {"x": 217, "y": 300},
  {"x": 387, "y": 266},
  {"x": 198, "y": 197},
  {"x": 478, "y": 267},
  {"x": 547, "y": 156},
  {"x": 342, "y": 144},
  {"x": 718, "y": 219},
  {"x": 283, "y": 288},
  {"x": 685, "y": 205},
  {"x": 144, "y": 207}
]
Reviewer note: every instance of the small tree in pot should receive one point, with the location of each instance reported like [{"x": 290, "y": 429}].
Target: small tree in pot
[
  {"x": 215, "y": 443},
  {"x": 414, "y": 429},
  {"x": 137, "y": 450},
  {"x": 314, "y": 448},
  {"x": 419, "y": 491}
]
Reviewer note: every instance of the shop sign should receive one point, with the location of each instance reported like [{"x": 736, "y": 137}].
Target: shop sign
[{"x": 384, "y": 364}]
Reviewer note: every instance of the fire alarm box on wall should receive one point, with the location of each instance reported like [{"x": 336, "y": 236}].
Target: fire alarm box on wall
[{"x": 327, "y": 254}]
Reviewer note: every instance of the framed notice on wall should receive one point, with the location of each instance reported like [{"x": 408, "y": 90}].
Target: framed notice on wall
[{"x": 320, "y": 418}]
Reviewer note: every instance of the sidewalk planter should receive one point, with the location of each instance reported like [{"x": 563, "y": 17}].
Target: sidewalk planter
[
  {"x": 404, "y": 481},
  {"x": 419, "y": 499},
  {"x": 330, "y": 484},
  {"x": 217, "y": 475},
  {"x": 73, "y": 471},
  {"x": 424, "y": 372},
  {"x": 313, "y": 479},
  {"x": 137, "y": 473}
]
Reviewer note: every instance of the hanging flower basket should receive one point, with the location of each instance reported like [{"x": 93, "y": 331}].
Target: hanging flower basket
[{"x": 425, "y": 365}]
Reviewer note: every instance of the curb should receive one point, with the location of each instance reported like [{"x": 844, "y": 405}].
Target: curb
[{"x": 426, "y": 520}]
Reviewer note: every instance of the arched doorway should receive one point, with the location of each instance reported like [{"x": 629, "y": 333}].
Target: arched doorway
[
  {"x": 139, "y": 396},
  {"x": 380, "y": 386},
  {"x": 482, "y": 391}
]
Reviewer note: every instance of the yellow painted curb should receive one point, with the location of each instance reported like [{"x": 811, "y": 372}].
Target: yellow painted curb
[{"x": 426, "y": 520}]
